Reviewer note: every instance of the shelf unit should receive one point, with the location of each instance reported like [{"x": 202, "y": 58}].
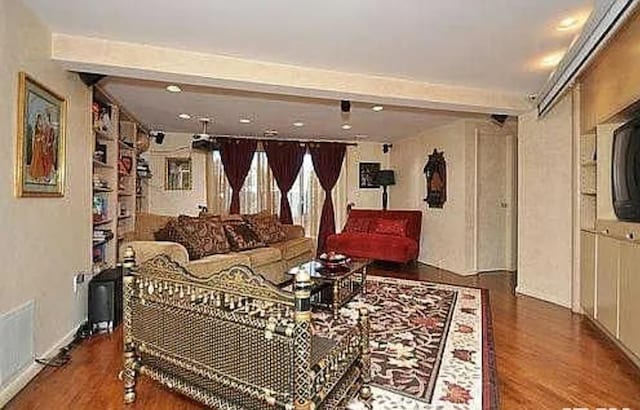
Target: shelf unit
[
  {"x": 115, "y": 180},
  {"x": 588, "y": 182}
]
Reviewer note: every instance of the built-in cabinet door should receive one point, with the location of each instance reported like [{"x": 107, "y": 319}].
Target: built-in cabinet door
[
  {"x": 607, "y": 283},
  {"x": 588, "y": 272},
  {"x": 630, "y": 296}
]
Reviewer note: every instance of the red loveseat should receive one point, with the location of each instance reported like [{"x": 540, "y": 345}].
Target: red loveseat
[{"x": 381, "y": 235}]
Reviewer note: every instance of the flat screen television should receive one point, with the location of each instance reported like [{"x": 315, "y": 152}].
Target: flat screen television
[{"x": 625, "y": 171}]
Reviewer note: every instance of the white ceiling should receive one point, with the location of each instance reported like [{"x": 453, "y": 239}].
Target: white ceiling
[
  {"x": 491, "y": 44},
  {"x": 151, "y": 104}
]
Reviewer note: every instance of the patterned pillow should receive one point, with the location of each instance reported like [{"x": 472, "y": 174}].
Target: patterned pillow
[
  {"x": 395, "y": 227},
  {"x": 200, "y": 236},
  {"x": 267, "y": 226},
  {"x": 242, "y": 237},
  {"x": 357, "y": 225}
]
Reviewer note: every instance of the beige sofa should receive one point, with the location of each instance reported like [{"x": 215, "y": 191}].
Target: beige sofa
[{"x": 272, "y": 261}]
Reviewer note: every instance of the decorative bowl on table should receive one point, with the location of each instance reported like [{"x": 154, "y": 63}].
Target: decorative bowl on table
[{"x": 332, "y": 260}]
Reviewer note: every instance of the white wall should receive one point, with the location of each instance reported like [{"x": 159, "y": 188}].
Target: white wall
[
  {"x": 449, "y": 234},
  {"x": 43, "y": 241},
  {"x": 163, "y": 202},
  {"x": 364, "y": 152},
  {"x": 545, "y": 238},
  {"x": 444, "y": 241}
]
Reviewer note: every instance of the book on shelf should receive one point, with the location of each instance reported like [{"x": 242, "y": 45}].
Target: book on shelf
[{"x": 100, "y": 208}]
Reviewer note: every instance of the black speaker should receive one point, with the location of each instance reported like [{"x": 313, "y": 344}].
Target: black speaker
[
  {"x": 105, "y": 300},
  {"x": 345, "y": 106},
  {"x": 90, "y": 79}
]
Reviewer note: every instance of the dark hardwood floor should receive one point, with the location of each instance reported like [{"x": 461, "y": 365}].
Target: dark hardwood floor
[{"x": 547, "y": 357}]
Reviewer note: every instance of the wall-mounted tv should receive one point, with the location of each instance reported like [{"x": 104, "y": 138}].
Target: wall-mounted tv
[{"x": 625, "y": 171}]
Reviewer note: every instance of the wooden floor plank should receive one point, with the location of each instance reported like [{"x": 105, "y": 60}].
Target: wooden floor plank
[{"x": 547, "y": 357}]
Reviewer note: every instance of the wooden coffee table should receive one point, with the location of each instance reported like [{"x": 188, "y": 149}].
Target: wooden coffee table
[{"x": 333, "y": 288}]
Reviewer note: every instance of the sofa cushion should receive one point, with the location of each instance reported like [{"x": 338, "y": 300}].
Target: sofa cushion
[
  {"x": 242, "y": 237},
  {"x": 267, "y": 226},
  {"x": 395, "y": 227},
  {"x": 294, "y": 247},
  {"x": 374, "y": 246},
  {"x": 357, "y": 225},
  {"x": 201, "y": 236},
  {"x": 262, "y": 256},
  {"x": 209, "y": 265}
]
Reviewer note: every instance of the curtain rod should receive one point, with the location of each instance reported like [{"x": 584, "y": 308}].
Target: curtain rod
[{"x": 266, "y": 139}]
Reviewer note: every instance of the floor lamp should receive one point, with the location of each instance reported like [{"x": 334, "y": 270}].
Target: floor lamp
[{"x": 384, "y": 178}]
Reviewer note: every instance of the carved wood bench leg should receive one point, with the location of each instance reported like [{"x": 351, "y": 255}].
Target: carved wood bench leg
[
  {"x": 130, "y": 374},
  {"x": 365, "y": 361}
]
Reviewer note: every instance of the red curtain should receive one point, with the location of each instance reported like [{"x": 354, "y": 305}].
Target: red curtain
[
  {"x": 236, "y": 156},
  {"x": 327, "y": 162},
  {"x": 285, "y": 160}
]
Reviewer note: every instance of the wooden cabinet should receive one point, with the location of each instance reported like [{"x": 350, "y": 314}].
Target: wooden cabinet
[
  {"x": 608, "y": 262},
  {"x": 630, "y": 296},
  {"x": 588, "y": 272}
]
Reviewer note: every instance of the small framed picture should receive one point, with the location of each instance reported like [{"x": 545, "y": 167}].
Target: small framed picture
[
  {"x": 40, "y": 166},
  {"x": 178, "y": 174},
  {"x": 368, "y": 172}
]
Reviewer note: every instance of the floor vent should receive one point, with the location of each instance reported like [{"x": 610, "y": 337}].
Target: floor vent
[{"x": 16, "y": 341}]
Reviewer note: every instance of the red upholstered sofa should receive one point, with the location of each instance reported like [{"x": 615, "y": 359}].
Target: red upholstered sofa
[{"x": 381, "y": 235}]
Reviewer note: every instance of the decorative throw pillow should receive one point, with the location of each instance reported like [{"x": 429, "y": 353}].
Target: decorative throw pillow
[
  {"x": 267, "y": 226},
  {"x": 200, "y": 236},
  {"x": 395, "y": 227},
  {"x": 242, "y": 237},
  {"x": 357, "y": 225}
]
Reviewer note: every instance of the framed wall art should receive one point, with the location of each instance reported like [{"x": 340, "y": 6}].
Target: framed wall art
[
  {"x": 178, "y": 174},
  {"x": 368, "y": 172},
  {"x": 40, "y": 166},
  {"x": 435, "y": 171}
]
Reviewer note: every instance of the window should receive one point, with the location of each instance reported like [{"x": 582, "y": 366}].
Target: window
[{"x": 260, "y": 192}]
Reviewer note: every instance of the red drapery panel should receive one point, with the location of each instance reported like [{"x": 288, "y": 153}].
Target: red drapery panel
[
  {"x": 285, "y": 160},
  {"x": 236, "y": 156},
  {"x": 327, "y": 162}
]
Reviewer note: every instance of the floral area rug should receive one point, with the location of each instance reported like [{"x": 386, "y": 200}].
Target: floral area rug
[{"x": 431, "y": 345}]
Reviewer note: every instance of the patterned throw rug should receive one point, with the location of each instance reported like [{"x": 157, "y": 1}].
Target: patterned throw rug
[{"x": 431, "y": 345}]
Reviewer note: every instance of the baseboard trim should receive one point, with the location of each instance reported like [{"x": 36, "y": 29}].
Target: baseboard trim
[
  {"x": 536, "y": 295},
  {"x": 21, "y": 380}
]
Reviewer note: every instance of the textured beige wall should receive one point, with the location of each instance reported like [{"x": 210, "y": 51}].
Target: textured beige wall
[
  {"x": 445, "y": 241},
  {"x": 545, "y": 236},
  {"x": 449, "y": 234},
  {"x": 163, "y": 202},
  {"x": 364, "y": 152},
  {"x": 43, "y": 242}
]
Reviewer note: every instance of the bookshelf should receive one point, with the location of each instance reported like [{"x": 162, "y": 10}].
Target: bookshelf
[
  {"x": 588, "y": 182},
  {"x": 116, "y": 194}
]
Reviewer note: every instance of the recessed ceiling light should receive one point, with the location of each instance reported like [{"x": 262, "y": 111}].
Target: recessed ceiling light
[
  {"x": 568, "y": 23},
  {"x": 205, "y": 119},
  {"x": 346, "y": 126},
  {"x": 184, "y": 116},
  {"x": 298, "y": 124},
  {"x": 552, "y": 60},
  {"x": 377, "y": 108},
  {"x": 173, "y": 88},
  {"x": 361, "y": 136},
  {"x": 245, "y": 121}
]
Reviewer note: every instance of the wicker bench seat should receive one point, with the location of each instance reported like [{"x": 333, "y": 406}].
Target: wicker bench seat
[{"x": 233, "y": 340}]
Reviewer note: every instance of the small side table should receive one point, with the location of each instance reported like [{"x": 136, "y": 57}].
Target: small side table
[{"x": 105, "y": 300}]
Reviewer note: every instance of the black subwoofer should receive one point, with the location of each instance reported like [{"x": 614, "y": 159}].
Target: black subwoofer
[{"x": 105, "y": 300}]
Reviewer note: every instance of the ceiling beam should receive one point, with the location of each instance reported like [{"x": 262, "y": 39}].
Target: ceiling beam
[{"x": 134, "y": 60}]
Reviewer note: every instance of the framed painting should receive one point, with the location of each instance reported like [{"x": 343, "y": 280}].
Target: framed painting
[
  {"x": 178, "y": 174},
  {"x": 40, "y": 166},
  {"x": 368, "y": 172}
]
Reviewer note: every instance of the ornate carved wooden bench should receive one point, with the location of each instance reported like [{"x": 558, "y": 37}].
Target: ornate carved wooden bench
[{"x": 235, "y": 341}]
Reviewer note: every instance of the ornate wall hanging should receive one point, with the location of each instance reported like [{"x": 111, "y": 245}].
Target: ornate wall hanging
[{"x": 436, "y": 173}]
